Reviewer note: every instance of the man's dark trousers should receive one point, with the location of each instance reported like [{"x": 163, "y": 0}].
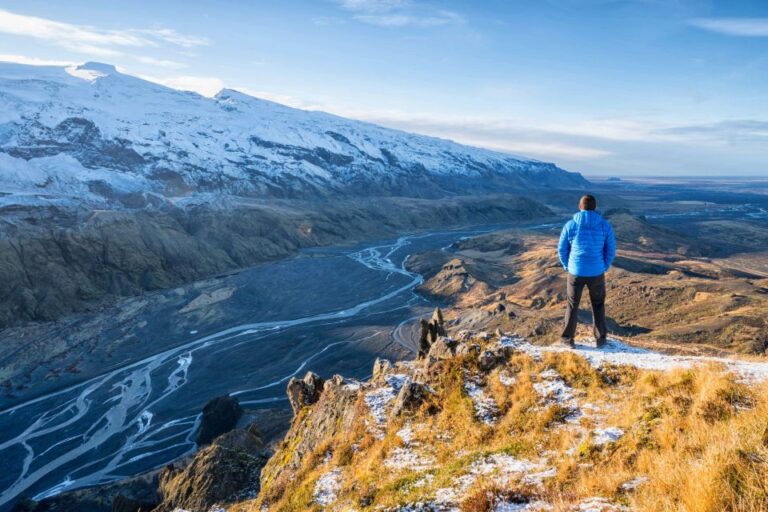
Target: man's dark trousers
[{"x": 596, "y": 287}]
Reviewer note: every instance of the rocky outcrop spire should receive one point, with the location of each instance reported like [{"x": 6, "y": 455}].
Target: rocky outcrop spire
[
  {"x": 220, "y": 415},
  {"x": 430, "y": 331},
  {"x": 304, "y": 392}
]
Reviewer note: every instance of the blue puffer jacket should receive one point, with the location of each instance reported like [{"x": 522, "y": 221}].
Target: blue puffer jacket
[{"x": 587, "y": 245}]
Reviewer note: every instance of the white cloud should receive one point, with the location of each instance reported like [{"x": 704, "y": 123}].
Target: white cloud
[
  {"x": 34, "y": 61},
  {"x": 744, "y": 27},
  {"x": 171, "y": 36},
  {"x": 544, "y": 150},
  {"x": 169, "y": 64},
  {"x": 91, "y": 40},
  {"x": 404, "y": 20},
  {"x": 399, "y": 13}
]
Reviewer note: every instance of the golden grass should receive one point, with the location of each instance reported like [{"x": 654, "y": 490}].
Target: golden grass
[{"x": 698, "y": 436}]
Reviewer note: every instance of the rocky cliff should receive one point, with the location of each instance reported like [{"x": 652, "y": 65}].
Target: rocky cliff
[{"x": 488, "y": 422}]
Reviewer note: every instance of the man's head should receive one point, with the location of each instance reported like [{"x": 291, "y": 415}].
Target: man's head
[{"x": 587, "y": 202}]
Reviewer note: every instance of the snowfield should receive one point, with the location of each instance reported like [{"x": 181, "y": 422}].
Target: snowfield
[
  {"x": 92, "y": 133},
  {"x": 616, "y": 352}
]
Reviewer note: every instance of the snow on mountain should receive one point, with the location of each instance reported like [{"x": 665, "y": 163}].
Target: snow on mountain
[{"x": 90, "y": 133}]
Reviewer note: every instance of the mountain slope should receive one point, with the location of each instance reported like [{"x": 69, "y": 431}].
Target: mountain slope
[
  {"x": 92, "y": 133},
  {"x": 495, "y": 424}
]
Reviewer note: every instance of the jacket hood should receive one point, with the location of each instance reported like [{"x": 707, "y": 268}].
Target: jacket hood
[{"x": 587, "y": 217}]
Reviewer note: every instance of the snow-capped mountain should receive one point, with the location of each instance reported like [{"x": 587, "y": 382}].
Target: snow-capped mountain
[{"x": 92, "y": 134}]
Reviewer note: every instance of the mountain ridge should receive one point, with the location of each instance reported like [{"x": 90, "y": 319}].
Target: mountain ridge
[{"x": 91, "y": 134}]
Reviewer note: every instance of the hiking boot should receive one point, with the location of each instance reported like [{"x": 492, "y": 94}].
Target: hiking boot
[
  {"x": 601, "y": 342},
  {"x": 567, "y": 342}
]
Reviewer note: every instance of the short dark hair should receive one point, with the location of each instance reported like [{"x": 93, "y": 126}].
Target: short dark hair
[{"x": 587, "y": 202}]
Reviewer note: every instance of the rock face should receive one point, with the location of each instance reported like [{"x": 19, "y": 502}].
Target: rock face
[
  {"x": 333, "y": 412},
  {"x": 220, "y": 415},
  {"x": 395, "y": 394},
  {"x": 304, "y": 392},
  {"x": 226, "y": 471}
]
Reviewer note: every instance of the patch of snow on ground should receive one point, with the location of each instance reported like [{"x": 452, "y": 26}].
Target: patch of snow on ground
[
  {"x": 352, "y": 385},
  {"x": 408, "y": 458},
  {"x": 451, "y": 495},
  {"x": 554, "y": 390},
  {"x": 500, "y": 467},
  {"x": 538, "y": 478},
  {"x": 427, "y": 507},
  {"x": 425, "y": 480},
  {"x": 607, "y": 435},
  {"x": 396, "y": 380},
  {"x": 406, "y": 434},
  {"x": 533, "y": 506},
  {"x": 599, "y": 505},
  {"x": 616, "y": 352},
  {"x": 506, "y": 379},
  {"x": 486, "y": 409},
  {"x": 377, "y": 401},
  {"x": 634, "y": 483},
  {"x": 327, "y": 487}
]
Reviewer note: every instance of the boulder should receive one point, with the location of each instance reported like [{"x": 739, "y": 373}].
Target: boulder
[
  {"x": 410, "y": 397},
  {"x": 465, "y": 349},
  {"x": 333, "y": 382},
  {"x": 305, "y": 391},
  {"x": 220, "y": 415},
  {"x": 443, "y": 348},
  {"x": 487, "y": 360},
  {"x": 504, "y": 352}
]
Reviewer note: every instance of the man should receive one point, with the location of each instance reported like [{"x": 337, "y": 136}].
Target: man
[{"x": 586, "y": 250}]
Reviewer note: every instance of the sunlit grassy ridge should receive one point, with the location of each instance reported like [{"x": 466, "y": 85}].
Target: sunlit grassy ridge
[{"x": 552, "y": 433}]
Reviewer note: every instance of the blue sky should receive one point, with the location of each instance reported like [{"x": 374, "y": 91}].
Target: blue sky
[{"x": 611, "y": 87}]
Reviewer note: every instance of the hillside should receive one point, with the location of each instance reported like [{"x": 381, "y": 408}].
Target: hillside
[
  {"x": 664, "y": 290},
  {"x": 493, "y": 423},
  {"x": 92, "y": 135}
]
